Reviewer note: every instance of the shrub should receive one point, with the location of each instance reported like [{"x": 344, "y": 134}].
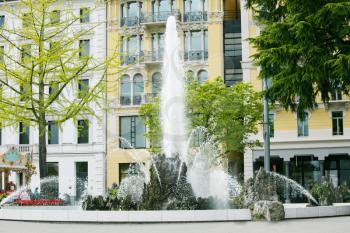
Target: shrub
[{"x": 324, "y": 192}]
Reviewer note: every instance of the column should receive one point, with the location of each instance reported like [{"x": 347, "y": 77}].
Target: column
[
  {"x": 322, "y": 168},
  {"x": 138, "y": 48},
  {"x": 202, "y": 44},
  {"x": 286, "y": 173}
]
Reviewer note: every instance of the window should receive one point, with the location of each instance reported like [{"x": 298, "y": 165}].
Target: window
[
  {"x": 138, "y": 88},
  {"x": 157, "y": 46},
  {"x": 131, "y": 11},
  {"x": 272, "y": 124},
  {"x": 305, "y": 169},
  {"x": 26, "y": 52},
  {"x": 337, "y": 169},
  {"x": 202, "y": 76},
  {"x": 132, "y": 129},
  {"x": 131, "y": 49},
  {"x": 26, "y": 20},
  {"x": 84, "y": 48},
  {"x": 83, "y": 88},
  {"x": 55, "y": 17},
  {"x": 53, "y": 132},
  {"x": 162, "y": 9},
  {"x": 337, "y": 123},
  {"x": 52, "y": 168},
  {"x": 195, "y": 10},
  {"x": 303, "y": 125},
  {"x": 53, "y": 89},
  {"x": 83, "y": 131},
  {"x": 2, "y": 49},
  {"x": 55, "y": 48},
  {"x": 125, "y": 90},
  {"x": 126, "y": 169},
  {"x": 336, "y": 93},
  {"x": 84, "y": 15},
  {"x": 23, "y": 133},
  {"x": 2, "y": 20},
  {"x": 24, "y": 94},
  {"x": 156, "y": 83},
  {"x": 196, "y": 45},
  {"x": 82, "y": 177}
]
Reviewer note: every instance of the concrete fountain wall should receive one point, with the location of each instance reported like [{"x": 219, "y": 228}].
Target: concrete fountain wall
[{"x": 292, "y": 211}]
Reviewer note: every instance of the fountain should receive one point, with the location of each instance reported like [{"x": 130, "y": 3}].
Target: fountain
[
  {"x": 191, "y": 167},
  {"x": 190, "y": 173}
]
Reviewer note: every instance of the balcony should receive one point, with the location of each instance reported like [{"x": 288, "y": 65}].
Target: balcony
[
  {"x": 149, "y": 98},
  {"x": 132, "y": 59},
  {"x": 137, "y": 99},
  {"x": 129, "y": 21},
  {"x": 153, "y": 57},
  {"x": 159, "y": 17},
  {"x": 196, "y": 16},
  {"x": 196, "y": 55}
]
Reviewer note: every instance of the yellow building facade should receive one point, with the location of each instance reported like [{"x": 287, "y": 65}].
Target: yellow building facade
[
  {"x": 304, "y": 150},
  {"x": 137, "y": 28}
]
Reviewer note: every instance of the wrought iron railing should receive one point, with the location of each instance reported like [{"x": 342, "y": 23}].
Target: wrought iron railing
[
  {"x": 129, "y": 21},
  {"x": 132, "y": 59},
  {"x": 195, "y": 16},
  {"x": 161, "y": 16},
  {"x": 195, "y": 55},
  {"x": 153, "y": 56}
]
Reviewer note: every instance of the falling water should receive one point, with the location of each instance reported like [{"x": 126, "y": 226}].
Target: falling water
[
  {"x": 173, "y": 120},
  {"x": 294, "y": 186}
]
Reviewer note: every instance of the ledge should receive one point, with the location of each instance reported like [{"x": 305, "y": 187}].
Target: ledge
[
  {"x": 55, "y": 215},
  {"x": 69, "y": 214}
]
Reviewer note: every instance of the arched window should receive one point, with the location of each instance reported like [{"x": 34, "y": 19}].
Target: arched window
[
  {"x": 138, "y": 88},
  {"x": 156, "y": 83},
  {"x": 202, "y": 76},
  {"x": 189, "y": 76},
  {"x": 125, "y": 90}
]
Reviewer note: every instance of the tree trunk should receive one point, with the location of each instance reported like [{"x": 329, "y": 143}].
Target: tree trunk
[{"x": 42, "y": 150}]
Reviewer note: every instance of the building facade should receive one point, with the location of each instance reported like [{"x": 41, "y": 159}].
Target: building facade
[
  {"x": 304, "y": 150},
  {"x": 78, "y": 161},
  {"x": 209, "y": 43}
]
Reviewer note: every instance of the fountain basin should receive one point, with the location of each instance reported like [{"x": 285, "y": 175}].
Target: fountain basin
[{"x": 54, "y": 214}]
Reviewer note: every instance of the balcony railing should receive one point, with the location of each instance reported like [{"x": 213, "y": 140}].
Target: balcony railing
[
  {"x": 153, "y": 56},
  {"x": 129, "y": 21},
  {"x": 137, "y": 99},
  {"x": 195, "y": 16},
  {"x": 149, "y": 97},
  {"x": 162, "y": 16},
  {"x": 132, "y": 59},
  {"x": 196, "y": 55}
]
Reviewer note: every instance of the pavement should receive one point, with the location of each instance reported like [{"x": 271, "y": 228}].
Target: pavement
[{"x": 319, "y": 225}]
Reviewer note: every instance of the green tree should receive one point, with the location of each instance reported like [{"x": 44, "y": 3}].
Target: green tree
[
  {"x": 304, "y": 47},
  {"x": 43, "y": 62},
  {"x": 229, "y": 114}
]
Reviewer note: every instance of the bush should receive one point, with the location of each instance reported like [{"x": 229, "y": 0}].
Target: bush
[
  {"x": 94, "y": 203},
  {"x": 324, "y": 192}
]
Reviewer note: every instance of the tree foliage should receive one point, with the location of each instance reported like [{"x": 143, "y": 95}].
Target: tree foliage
[
  {"x": 304, "y": 47},
  {"x": 229, "y": 114},
  {"x": 44, "y": 61}
]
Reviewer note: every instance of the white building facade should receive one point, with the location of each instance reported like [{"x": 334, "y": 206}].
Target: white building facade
[{"x": 69, "y": 157}]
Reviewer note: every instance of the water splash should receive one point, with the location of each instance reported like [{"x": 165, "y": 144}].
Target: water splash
[
  {"x": 206, "y": 173},
  {"x": 132, "y": 186},
  {"x": 295, "y": 188}
]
